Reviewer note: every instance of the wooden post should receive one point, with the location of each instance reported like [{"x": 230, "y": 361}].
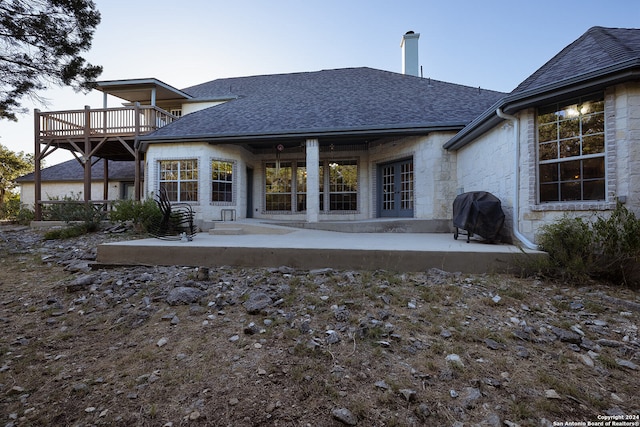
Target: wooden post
[
  {"x": 106, "y": 180},
  {"x": 36, "y": 171},
  {"x": 85, "y": 156},
  {"x": 136, "y": 150}
]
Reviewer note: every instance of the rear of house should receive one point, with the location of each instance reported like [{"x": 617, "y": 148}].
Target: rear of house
[{"x": 358, "y": 143}]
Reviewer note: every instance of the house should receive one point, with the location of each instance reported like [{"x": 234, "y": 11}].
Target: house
[
  {"x": 358, "y": 143},
  {"x": 67, "y": 180}
]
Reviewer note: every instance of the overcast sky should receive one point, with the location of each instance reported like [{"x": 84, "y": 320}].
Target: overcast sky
[{"x": 494, "y": 44}]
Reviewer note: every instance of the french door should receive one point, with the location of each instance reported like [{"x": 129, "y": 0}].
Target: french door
[{"x": 396, "y": 189}]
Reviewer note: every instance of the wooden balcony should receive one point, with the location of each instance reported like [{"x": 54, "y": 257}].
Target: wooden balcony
[
  {"x": 108, "y": 133},
  {"x": 99, "y": 132}
]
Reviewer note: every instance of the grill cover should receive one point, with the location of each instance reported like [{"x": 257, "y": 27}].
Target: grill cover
[{"x": 479, "y": 212}]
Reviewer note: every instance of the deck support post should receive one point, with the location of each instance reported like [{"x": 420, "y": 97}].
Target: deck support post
[
  {"x": 105, "y": 188},
  {"x": 86, "y": 158},
  {"x": 37, "y": 176},
  {"x": 313, "y": 179}
]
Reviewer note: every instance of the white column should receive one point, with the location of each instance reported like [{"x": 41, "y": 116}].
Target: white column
[{"x": 313, "y": 180}]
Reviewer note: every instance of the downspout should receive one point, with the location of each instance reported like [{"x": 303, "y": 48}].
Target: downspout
[{"x": 516, "y": 201}]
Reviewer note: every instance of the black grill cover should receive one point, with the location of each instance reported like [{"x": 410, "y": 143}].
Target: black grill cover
[{"x": 478, "y": 212}]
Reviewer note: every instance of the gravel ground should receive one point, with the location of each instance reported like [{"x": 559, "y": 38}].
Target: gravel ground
[{"x": 173, "y": 346}]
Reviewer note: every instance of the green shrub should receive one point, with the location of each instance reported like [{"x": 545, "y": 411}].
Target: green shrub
[
  {"x": 67, "y": 232},
  {"x": 568, "y": 242},
  {"x": 142, "y": 214},
  {"x": 13, "y": 210},
  {"x": 607, "y": 248}
]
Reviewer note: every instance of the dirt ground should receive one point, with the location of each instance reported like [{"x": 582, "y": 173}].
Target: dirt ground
[{"x": 104, "y": 347}]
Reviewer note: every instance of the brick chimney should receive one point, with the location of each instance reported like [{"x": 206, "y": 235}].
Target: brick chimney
[{"x": 409, "y": 46}]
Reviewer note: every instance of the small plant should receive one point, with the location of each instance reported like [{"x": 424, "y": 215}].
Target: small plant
[{"x": 142, "y": 214}]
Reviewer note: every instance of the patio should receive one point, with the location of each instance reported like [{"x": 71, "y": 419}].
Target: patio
[{"x": 252, "y": 243}]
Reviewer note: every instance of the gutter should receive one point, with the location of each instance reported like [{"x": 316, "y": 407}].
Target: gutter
[{"x": 516, "y": 201}]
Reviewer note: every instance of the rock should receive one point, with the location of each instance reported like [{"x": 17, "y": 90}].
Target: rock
[
  {"x": 493, "y": 420},
  {"x": 627, "y": 364},
  {"x": 423, "y": 412},
  {"x": 184, "y": 295},
  {"x": 469, "y": 397},
  {"x": 445, "y": 333},
  {"x": 585, "y": 360},
  {"x": 609, "y": 343},
  {"x": 552, "y": 394},
  {"x": 341, "y": 314},
  {"x": 496, "y": 299},
  {"x": 345, "y": 416},
  {"x": 382, "y": 384},
  {"x": 251, "y": 329},
  {"x": 522, "y": 351},
  {"x": 408, "y": 394},
  {"x": 321, "y": 271},
  {"x": 233, "y": 401},
  {"x": 257, "y": 302},
  {"x": 332, "y": 337},
  {"x": 454, "y": 359},
  {"x": 78, "y": 265},
  {"x": 81, "y": 283},
  {"x": 493, "y": 345},
  {"x": 566, "y": 336},
  {"x": 453, "y": 393},
  {"x": 162, "y": 342}
]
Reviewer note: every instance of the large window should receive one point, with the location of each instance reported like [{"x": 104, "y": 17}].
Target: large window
[
  {"x": 180, "y": 179},
  {"x": 278, "y": 186},
  {"x": 221, "y": 181},
  {"x": 286, "y": 186},
  {"x": 571, "y": 150},
  {"x": 343, "y": 185}
]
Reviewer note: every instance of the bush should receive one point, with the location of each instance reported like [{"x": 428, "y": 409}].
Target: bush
[
  {"x": 606, "y": 248},
  {"x": 67, "y": 232},
  {"x": 142, "y": 214},
  {"x": 13, "y": 210}
]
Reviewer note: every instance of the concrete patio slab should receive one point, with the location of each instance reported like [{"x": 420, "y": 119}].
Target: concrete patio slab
[{"x": 311, "y": 249}]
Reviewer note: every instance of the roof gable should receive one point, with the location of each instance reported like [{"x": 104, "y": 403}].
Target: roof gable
[
  {"x": 596, "y": 49},
  {"x": 351, "y": 99}
]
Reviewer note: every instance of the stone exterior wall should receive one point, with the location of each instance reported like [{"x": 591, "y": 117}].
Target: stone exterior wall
[{"x": 489, "y": 165}]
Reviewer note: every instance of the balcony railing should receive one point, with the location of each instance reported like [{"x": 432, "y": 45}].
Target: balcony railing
[{"x": 97, "y": 122}]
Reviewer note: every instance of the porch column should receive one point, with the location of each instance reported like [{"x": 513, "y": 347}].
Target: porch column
[{"x": 313, "y": 180}]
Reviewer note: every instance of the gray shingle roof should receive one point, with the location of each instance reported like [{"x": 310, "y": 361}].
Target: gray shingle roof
[
  {"x": 341, "y": 100},
  {"x": 601, "y": 57},
  {"x": 597, "y": 49},
  {"x": 72, "y": 170}
]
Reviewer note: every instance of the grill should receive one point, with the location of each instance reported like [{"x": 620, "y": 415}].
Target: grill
[{"x": 478, "y": 213}]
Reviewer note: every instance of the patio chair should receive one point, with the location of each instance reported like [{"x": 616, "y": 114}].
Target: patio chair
[{"x": 176, "y": 222}]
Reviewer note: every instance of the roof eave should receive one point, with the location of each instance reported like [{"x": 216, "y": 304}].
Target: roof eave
[
  {"x": 511, "y": 104},
  {"x": 145, "y": 141}
]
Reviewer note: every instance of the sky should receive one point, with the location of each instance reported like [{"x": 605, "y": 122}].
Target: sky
[{"x": 493, "y": 44}]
